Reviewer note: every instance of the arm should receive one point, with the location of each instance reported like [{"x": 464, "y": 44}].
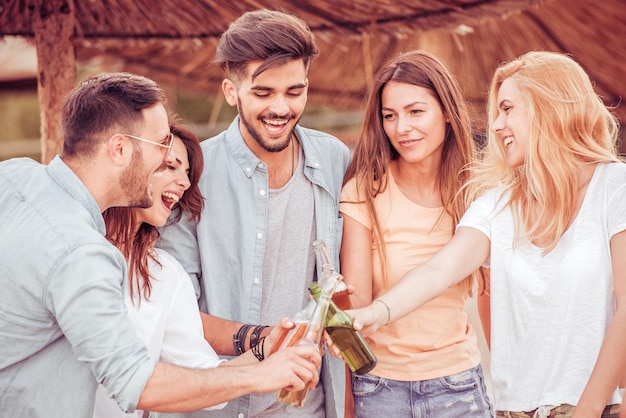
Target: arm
[
  {"x": 611, "y": 363},
  {"x": 463, "y": 254},
  {"x": 219, "y": 333},
  {"x": 356, "y": 260},
  {"x": 356, "y": 267},
  {"x": 272, "y": 335},
  {"x": 175, "y": 389},
  {"x": 483, "y": 303}
]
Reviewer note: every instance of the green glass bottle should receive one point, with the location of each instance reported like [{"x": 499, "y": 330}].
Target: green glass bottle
[{"x": 354, "y": 349}]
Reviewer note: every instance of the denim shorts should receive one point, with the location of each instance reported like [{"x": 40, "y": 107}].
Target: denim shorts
[
  {"x": 561, "y": 411},
  {"x": 461, "y": 395}
]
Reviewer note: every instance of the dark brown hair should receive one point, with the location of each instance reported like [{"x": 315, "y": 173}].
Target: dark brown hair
[
  {"x": 263, "y": 35},
  {"x": 103, "y": 103},
  {"x": 137, "y": 243}
]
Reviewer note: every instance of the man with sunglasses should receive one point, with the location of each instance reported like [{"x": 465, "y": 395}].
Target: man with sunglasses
[{"x": 63, "y": 322}]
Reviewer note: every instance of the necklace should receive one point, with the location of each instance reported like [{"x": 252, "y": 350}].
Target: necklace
[{"x": 293, "y": 156}]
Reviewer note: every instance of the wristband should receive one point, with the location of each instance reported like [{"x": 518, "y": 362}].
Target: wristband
[
  {"x": 239, "y": 339},
  {"x": 388, "y": 310}
]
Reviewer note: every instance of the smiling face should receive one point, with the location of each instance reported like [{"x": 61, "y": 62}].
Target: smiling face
[
  {"x": 413, "y": 121},
  {"x": 168, "y": 186},
  {"x": 147, "y": 159},
  {"x": 269, "y": 106},
  {"x": 512, "y": 126}
]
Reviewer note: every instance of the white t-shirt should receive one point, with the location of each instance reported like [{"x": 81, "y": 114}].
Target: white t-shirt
[
  {"x": 169, "y": 324},
  {"x": 549, "y": 314}
]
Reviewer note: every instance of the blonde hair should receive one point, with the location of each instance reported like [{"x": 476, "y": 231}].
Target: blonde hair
[{"x": 569, "y": 126}]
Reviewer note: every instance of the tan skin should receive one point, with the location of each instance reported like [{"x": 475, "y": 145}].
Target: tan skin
[{"x": 102, "y": 173}]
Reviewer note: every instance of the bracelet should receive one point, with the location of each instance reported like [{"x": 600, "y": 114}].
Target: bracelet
[
  {"x": 388, "y": 310},
  {"x": 256, "y": 333},
  {"x": 239, "y": 339},
  {"x": 259, "y": 353}
]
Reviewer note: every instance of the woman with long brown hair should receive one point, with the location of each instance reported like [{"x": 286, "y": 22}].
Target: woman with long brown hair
[
  {"x": 160, "y": 297},
  {"x": 401, "y": 201}
]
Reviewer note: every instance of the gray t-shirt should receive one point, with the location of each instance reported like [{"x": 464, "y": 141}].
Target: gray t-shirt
[{"x": 288, "y": 268}]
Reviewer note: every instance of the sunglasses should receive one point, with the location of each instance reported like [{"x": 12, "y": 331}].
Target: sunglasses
[{"x": 166, "y": 143}]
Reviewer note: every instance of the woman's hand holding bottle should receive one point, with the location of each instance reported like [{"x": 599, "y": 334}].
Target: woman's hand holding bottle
[{"x": 370, "y": 318}]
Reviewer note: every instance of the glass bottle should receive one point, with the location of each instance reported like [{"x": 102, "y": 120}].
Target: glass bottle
[
  {"x": 290, "y": 337},
  {"x": 340, "y": 297},
  {"x": 355, "y": 351},
  {"x": 311, "y": 336}
]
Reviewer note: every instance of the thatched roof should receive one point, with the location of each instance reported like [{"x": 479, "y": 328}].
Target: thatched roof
[{"x": 173, "y": 41}]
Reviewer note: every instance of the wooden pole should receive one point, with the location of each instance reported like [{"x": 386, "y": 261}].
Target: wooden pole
[
  {"x": 368, "y": 67},
  {"x": 53, "y": 25}
]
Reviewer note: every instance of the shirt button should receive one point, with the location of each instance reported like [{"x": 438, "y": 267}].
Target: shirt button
[
  {"x": 262, "y": 192},
  {"x": 240, "y": 415},
  {"x": 261, "y": 165},
  {"x": 259, "y": 235},
  {"x": 256, "y": 280},
  {"x": 248, "y": 169},
  {"x": 316, "y": 164}
]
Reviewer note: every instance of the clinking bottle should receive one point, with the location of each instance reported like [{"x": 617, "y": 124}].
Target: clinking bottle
[
  {"x": 308, "y": 331},
  {"x": 355, "y": 351},
  {"x": 301, "y": 319},
  {"x": 340, "y": 297}
]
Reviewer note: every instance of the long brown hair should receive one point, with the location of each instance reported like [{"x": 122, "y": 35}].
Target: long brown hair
[
  {"x": 137, "y": 242},
  {"x": 374, "y": 150}
]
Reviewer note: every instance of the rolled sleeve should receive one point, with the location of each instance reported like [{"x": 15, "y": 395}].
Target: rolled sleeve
[{"x": 87, "y": 301}]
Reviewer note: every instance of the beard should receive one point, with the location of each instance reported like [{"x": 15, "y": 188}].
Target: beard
[
  {"x": 258, "y": 138},
  {"x": 133, "y": 183}
]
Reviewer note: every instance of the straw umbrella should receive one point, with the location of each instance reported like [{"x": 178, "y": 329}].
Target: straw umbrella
[{"x": 173, "y": 41}]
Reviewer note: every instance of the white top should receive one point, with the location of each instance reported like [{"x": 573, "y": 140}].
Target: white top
[
  {"x": 169, "y": 324},
  {"x": 549, "y": 314}
]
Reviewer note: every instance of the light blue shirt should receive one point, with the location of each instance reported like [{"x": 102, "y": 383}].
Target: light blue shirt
[
  {"x": 223, "y": 253},
  {"x": 63, "y": 323}
]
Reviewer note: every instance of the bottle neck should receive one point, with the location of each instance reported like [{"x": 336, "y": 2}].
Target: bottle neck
[
  {"x": 317, "y": 322},
  {"x": 316, "y": 290}
]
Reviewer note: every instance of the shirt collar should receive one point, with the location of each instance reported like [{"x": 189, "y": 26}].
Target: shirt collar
[{"x": 69, "y": 181}]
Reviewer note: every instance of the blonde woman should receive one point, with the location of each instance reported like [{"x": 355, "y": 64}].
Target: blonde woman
[{"x": 550, "y": 219}]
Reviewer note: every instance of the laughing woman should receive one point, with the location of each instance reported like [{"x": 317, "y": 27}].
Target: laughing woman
[{"x": 160, "y": 297}]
